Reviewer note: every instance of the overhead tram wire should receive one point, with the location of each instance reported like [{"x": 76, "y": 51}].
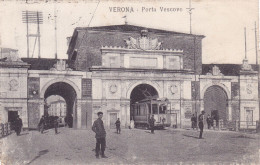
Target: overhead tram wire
[
  {"x": 81, "y": 43},
  {"x": 85, "y": 32},
  {"x": 88, "y": 24}
]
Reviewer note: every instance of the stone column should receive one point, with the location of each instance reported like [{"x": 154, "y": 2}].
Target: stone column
[
  {"x": 41, "y": 107},
  {"x": 79, "y": 102},
  {"x": 229, "y": 110},
  {"x": 164, "y": 62},
  {"x": 123, "y": 114},
  {"x": 103, "y": 89},
  {"x": 127, "y": 114}
]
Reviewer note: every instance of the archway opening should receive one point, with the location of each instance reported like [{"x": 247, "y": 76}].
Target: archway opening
[
  {"x": 216, "y": 104},
  {"x": 68, "y": 93},
  {"x": 141, "y": 92}
]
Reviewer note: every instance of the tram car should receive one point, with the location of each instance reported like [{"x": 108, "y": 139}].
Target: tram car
[{"x": 144, "y": 109}]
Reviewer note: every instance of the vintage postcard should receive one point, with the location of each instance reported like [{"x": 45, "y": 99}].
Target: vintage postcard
[{"x": 129, "y": 82}]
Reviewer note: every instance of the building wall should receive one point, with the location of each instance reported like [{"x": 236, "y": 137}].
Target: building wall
[
  {"x": 13, "y": 93},
  {"x": 249, "y": 100},
  {"x": 89, "y": 49}
]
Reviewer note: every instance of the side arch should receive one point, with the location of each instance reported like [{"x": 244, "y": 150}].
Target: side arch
[
  {"x": 224, "y": 87},
  {"x": 75, "y": 87}
]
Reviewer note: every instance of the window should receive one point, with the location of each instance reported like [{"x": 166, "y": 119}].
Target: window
[
  {"x": 155, "y": 109},
  {"x": 249, "y": 117},
  {"x": 112, "y": 61},
  {"x": 174, "y": 63},
  {"x": 162, "y": 109}
]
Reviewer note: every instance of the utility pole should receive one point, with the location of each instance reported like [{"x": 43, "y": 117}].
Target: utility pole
[
  {"x": 190, "y": 12},
  {"x": 245, "y": 43},
  {"x": 194, "y": 63},
  {"x": 32, "y": 17},
  {"x": 27, "y": 27},
  {"x": 256, "y": 47},
  {"x": 55, "y": 22},
  {"x": 39, "y": 35}
]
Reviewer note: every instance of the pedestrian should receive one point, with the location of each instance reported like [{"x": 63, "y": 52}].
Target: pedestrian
[
  {"x": 98, "y": 128},
  {"x": 18, "y": 125},
  {"x": 201, "y": 125},
  {"x": 151, "y": 122},
  {"x": 193, "y": 121},
  {"x": 41, "y": 124},
  {"x": 70, "y": 121},
  {"x": 118, "y": 126},
  {"x": 209, "y": 121},
  {"x": 56, "y": 125}
]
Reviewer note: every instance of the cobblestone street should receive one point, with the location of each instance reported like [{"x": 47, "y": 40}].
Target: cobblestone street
[{"x": 134, "y": 146}]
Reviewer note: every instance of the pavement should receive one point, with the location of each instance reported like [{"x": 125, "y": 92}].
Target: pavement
[{"x": 132, "y": 146}]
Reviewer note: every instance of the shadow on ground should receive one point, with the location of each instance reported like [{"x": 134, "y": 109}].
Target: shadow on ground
[
  {"x": 243, "y": 136},
  {"x": 43, "y": 152},
  {"x": 195, "y": 137}
]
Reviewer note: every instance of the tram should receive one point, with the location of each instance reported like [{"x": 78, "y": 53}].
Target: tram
[{"x": 144, "y": 109}]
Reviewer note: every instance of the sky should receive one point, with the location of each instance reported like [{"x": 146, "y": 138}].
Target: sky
[{"x": 222, "y": 22}]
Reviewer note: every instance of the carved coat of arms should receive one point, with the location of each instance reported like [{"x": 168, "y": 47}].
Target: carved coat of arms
[{"x": 143, "y": 42}]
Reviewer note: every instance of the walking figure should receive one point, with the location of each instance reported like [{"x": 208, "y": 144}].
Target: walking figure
[
  {"x": 56, "y": 125},
  {"x": 151, "y": 122},
  {"x": 98, "y": 128},
  {"x": 193, "y": 121},
  {"x": 201, "y": 125},
  {"x": 209, "y": 121},
  {"x": 41, "y": 124},
  {"x": 18, "y": 124},
  {"x": 118, "y": 129}
]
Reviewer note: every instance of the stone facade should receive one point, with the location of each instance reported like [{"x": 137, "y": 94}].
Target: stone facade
[{"x": 107, "y": 64}]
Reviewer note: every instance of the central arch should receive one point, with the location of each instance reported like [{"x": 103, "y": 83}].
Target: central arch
[{"x": 140, "y": 92}]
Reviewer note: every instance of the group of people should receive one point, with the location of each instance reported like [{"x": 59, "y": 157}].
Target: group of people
[
  {"x": 43, "y": 124},
  {"x": 99, "y": 129},
  {"x": 201, "y": 122}
]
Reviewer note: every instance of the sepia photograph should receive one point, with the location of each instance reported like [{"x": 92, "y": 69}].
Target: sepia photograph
[{"x": 129, "y": 82}]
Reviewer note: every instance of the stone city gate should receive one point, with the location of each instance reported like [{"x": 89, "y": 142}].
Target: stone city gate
[{"x": 24, "y": 91}]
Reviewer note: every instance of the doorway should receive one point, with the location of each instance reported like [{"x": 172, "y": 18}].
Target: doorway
[
  {"x": 113, "y": 118},
  {"x": 11, "y": 117}
]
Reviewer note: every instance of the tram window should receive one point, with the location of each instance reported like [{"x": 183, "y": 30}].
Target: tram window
[
  {"x": 142, "y": 109},
  {"x": 155, "y": 109},
  {"x": 149, "y": 107},
  {"x": 162, "y": 109}
]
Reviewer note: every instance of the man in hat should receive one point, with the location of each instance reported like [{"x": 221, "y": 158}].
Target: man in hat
[
  {"x": 18, "y": 125},
  {"x": 98, "y": 128},
  {"x": 151, "y": 122},
  {"x": 201, "y": 124},
  {"x": 118, "y": 126},
  {"x": 42, "y": 124}
]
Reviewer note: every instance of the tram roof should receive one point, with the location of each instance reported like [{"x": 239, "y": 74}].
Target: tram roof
[{"x": 153, "y": 98}]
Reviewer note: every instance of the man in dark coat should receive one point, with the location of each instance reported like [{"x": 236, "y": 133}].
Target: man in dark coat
[
  {"x": 209, "y": 121},
  {"x": 56, "y": 125},
  {"x": 193, "y": 121},
  {"x": 118, "y": 126},
  {"x": 41, "y": 124},
  {"x": 18, "y": 125},
  {"x": 151, "y": 122},
  {"x": 201, "y": 124},
  {"x": 98, "y": 128}
]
